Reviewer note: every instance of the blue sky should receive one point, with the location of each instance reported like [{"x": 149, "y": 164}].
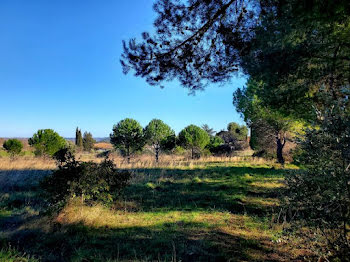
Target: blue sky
[{"x": 59, "y": 69}]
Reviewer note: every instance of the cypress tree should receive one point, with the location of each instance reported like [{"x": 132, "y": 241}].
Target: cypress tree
[{"x": 78, "y": 138}]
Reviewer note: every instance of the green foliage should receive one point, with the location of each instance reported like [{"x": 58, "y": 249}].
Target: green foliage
[
  {"x": 194, "y": 138},
  {"x": 127, "y": 136},
  {"x": 160, "y": 136},
  {"x": 214, "y": 143},
  {"x": 302, "y": 46},
  {"x": 270, "y": 129},
  {"x": 88, "y": 141},
  {"x": 179, "y": 150},
  {"x": 240, "y": 132},
  {"x": 13, "y": 147},
  {"x": 10, "y": 254},
  {"x": 320, "y": 195},
  {"x": 89, "y": 181},
  {"x": 46, "y": 142},
  {"x": 78, "y": 138}
]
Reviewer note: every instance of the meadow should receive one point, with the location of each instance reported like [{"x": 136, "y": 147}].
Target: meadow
[{"x": 211, "y": 209}]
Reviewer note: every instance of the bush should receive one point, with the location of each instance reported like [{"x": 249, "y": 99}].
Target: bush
[
  {"x": 178, "y": 150},
  {"x": 87, "y": 180},
  {"x": 13, "y": 147},
  {"x": 320, "y": 196}
]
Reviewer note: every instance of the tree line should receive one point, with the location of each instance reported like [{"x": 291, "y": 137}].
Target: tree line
[{"x": 129, "y": 137}]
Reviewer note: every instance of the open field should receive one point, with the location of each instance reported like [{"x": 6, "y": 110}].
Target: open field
[{"x": 205, "y": 210}]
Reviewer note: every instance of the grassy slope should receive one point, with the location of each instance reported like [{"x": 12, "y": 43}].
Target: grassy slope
[{"x": 216, "y": 212}]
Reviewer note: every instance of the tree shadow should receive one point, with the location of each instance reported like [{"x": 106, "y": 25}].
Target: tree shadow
[
  {"x": 219, "y": 188},
  {"x": 167, "y": 242},
  {"x": 210, "y": 189}
]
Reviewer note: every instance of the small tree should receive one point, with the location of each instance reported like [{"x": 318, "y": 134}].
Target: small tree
[
  {"x": 209, "y": 130},
  {"x": 78, "y": 138},
  {"x": 158, "y": 135},
  {"x": 88, "y": 141},
  {"x": 13, "y": 147},
  {"x": 127, "y": 136},
  {"x": 194, "y": 138},
  {"x": 46, "y": 142}
]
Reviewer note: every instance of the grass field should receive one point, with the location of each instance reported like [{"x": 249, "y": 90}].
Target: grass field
[{"x": 211, "y": 210}]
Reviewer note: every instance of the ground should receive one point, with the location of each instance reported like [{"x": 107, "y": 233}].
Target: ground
[{"x": 205, "y": 211}]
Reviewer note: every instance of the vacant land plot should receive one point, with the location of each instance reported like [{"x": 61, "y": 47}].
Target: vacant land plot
[{"x": 212, "y": 211}]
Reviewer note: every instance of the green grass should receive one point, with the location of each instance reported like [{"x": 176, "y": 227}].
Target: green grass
[
  {"x": 211, "y": 213},
  {"x": 12, "y": 255}
]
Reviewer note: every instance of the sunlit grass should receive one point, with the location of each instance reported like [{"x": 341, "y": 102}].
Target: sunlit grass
[{"x": 217, "y": 208}]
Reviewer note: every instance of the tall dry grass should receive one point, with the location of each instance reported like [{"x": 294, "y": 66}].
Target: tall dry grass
[
  {"x": 27, "y": 163},
  {"x": 174, "y": 161},
  {"x": 137, "y": 162}
]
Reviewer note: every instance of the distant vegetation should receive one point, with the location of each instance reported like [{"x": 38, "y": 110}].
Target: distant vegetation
[
  {"x": 46, "y": 142},
  {"x": 13, "y": 147}
]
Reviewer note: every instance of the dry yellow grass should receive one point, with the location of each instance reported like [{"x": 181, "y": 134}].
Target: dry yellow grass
[
  {"x": 26, "y": 163},
  {"x": 103, "y": 145},
  {"x": 139, "y": 161}
]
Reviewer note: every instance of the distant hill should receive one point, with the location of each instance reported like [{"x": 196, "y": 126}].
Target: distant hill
[{"x": 98, "y": 139}]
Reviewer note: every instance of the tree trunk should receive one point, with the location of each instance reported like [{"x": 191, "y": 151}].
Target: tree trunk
[
  {"x": 157, "y": 154},
  {"x": 192, "y": 153},
  {"x": 279, "y": 148},
  {"x": 128, "y": 154}
]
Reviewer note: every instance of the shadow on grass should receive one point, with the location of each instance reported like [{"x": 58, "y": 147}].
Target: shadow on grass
[
  {"x": 166, "y": 242},
  {"x": 209, "y": 189},
  {"x": 215, "y": 188}
]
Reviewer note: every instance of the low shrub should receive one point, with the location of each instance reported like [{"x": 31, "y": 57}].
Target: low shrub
[
  {"x": 13, "y": 147},
  {"x": 90, "y": 181}
]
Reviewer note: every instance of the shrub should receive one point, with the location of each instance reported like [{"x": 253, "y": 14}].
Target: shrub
[
  {"x": 215, "y": 142},
  {"x": 87, "y": 180},
  {"x": 178, "y": 150},
  {"x": 13, "y": 147},
  {"x": 46, "y": 142},
  {"x": 320, "y": 196}
]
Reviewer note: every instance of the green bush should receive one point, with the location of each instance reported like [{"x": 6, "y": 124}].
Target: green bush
[
  {"x": 178, "y": 150},
  {"x": 89, "y": 181},
  {"x": 13, "y": 147},
  {"x": 320, "y": 194}
]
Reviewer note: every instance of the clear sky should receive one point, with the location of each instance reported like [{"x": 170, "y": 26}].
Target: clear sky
[{"x": 59, "y": 69}]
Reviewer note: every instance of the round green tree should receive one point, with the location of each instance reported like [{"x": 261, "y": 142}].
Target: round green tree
[
  {"x": 159, "y": 135},
  {"x": 13, "y": 147},
  {"x": 194, "y": 138},
  {"x": 127, "y": 136},
  {"x": 46, "y": 142}
]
